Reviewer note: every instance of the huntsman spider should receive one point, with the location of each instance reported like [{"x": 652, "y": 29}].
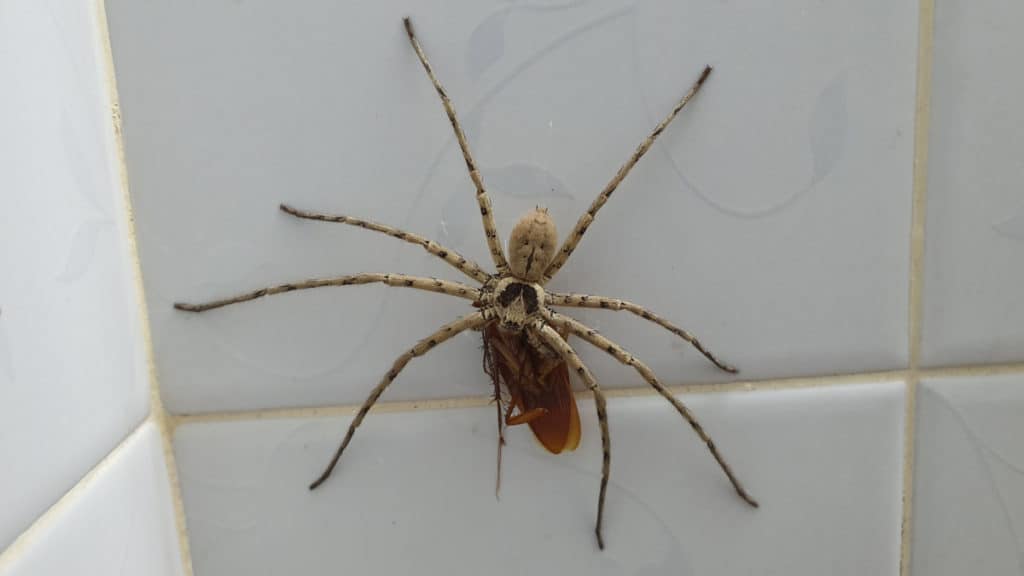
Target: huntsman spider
[{"x": 528, "y": 338}]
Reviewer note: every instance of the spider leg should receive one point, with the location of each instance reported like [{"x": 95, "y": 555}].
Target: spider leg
[
  {"x": 573, "y": 239},
  {"x": 491, "y": 369},
  {"x": 620, "y": 354},
  {"x": 553, "y": 339},
  {"x": 458, "y": 261},
  {"x": 400, "y": 280},
  {"x": 425, "y": 345},
  {"x": 588, "y": 301},
  {"x": 490, "y": 229},
  {"x": 501, "y": 439}
]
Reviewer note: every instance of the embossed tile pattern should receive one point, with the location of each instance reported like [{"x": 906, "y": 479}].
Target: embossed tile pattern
[
  {"x": 415, "y": 491},
  {"x": 974, "y": 279},
  {"x": 73, "y": 376},
  {"x": 119, "y": 522},
  {"x": 969, "y": 477},
  {"x": 771, "y": 219}
]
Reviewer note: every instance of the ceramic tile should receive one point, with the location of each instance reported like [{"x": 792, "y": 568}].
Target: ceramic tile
[
  {"x": 73, "y": 375},
  {"x": 771, "y": 219},
  {"x": 120, "y": 521},
  {"x": 975, "y": 227},
  {"x": 969, "y": 477},
  {"x": 415, "y": 491}
]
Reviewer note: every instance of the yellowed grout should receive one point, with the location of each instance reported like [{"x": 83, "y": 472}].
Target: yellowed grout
[
  {"x": 330, "y": 411},
  {"x": 918, "y": 215},
  {"x": 922, "y": 108},
  {"x": 909, "y": 432},
  {"x": 333, "y": 410},
  {"x": 57, "y": 509},
  {"x": 157, "y": 412},
  {"x": 972, "y": 370},
  {"x": 478, "y": 401}
]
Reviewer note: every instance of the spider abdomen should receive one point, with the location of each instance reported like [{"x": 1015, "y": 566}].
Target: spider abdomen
[{"x": 532, "y": 245}]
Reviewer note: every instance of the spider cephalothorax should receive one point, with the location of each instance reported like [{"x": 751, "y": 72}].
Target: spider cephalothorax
[
  {"x": 526, "y": 347},
  {"x": 517, "y": 302}
]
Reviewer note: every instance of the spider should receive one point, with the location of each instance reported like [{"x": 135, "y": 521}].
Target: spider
[{"x": 512, "y": 304}]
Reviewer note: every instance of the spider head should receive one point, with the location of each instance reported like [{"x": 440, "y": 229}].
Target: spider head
[
  {"x": 516, "y": 303},
  {"x": 532, "y": 245}
]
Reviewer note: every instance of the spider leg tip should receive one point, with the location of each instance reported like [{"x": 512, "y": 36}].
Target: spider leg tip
[
  {"x": 185, "y": 307},
  {"x": 723, "y": 366},
  {"x": 704, "y": 75}
]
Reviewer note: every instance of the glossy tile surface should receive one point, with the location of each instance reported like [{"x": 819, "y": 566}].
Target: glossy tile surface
[
  {"x": 73, "y": 376},
  {"x": 415, "y": 491},
  {"x": 969, "y": 477},
  {"x": 771, "y": 219},
  {"x": 118, "y": 522},
  {"x": 974, "y": 312}
]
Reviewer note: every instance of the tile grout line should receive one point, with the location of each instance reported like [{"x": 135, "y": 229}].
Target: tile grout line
[
  {"x": 972, "y": 370},
  {"x": 322, "y": 411},
  {"x": 450, "y": 403},
  {"x": 909, "y": 433},
  {"x": 158, "y": 413},
  {"x": 17, "y": 548},
  {"x": 922, "y": 108}
]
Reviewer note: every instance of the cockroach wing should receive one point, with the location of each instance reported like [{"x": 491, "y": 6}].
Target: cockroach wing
[
  {"x": 539, "y": 388},
  {"x": 558, "y": 428}
]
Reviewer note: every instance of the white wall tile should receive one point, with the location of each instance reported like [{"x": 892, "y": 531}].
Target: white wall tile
[
  {"x": 771, "y": 219},
  {"x": 974, "y": 279},
  {"x": 415, "y": 491},
  {"x": 969, "y": 477},
  {"x": 118, "y": 522},
  {"x": 73, "y": 376}
]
